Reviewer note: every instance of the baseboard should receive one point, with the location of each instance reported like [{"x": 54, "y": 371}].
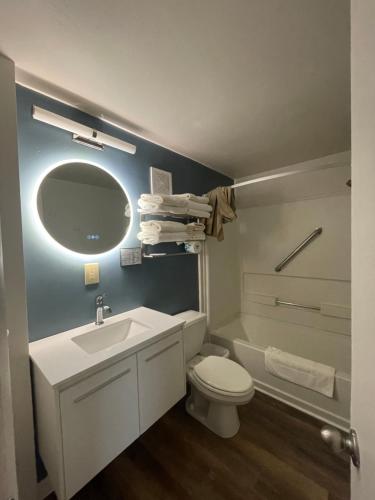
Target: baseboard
[
  {"x": 304, "y": 406},
  {"x": 43, "y": 489}
]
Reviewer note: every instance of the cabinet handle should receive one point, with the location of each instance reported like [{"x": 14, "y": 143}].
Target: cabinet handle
[
  {"x": 161, "y": 352},
  {"x": 100, "y": 386}
]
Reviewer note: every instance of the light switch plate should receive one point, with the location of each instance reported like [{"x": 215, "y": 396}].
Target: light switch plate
[{"x": 91, "y": 274}]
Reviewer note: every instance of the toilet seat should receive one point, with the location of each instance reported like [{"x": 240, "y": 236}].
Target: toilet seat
[{"x": 223, "y": 376}]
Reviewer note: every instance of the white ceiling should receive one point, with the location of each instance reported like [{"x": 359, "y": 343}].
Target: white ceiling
[{"x": 239, "y": 85}]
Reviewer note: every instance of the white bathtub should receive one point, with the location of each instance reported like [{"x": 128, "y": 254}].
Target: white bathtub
[{"x": 247, "y": 339}]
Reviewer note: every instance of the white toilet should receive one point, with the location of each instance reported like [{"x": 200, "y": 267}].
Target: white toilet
[{"x": 218, "y": 384}]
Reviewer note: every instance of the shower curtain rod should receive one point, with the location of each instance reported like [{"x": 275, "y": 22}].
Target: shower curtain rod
[{"x": 297, "y": 170}]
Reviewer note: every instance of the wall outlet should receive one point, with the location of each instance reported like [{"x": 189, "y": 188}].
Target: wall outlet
[{"x": 91, "y": 274}]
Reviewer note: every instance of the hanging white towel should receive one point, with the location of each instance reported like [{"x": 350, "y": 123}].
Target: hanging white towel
[{"x": 301, "y": 371}]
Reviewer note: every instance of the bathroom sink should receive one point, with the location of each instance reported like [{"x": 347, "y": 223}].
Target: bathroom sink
[{"x": 104, "y": 337}]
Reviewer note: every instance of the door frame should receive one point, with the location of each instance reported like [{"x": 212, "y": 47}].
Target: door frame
[
  {"x": 363, "y": 243},
  {"x": 13, "y": 289}
]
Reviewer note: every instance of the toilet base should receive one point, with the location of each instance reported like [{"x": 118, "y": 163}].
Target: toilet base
[{"x": 220, "y": 418}]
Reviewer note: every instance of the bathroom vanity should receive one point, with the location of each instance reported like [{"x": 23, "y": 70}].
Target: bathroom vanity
[{"x": 97, "y": 388}]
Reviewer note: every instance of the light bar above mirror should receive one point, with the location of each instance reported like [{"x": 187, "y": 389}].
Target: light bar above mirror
[{"x": 87, "y": 135}]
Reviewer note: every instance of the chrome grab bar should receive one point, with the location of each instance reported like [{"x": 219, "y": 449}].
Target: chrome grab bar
[
  {"x": 298, "y": 249},
  {"x": 294, "y": 304}
]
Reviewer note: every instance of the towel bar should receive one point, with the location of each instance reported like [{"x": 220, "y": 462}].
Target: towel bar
[{"x": 294, "y": 304}]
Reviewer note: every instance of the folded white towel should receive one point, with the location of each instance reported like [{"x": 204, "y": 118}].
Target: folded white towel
[
  {"x": 166, "y": 199},
  {"x": 161, "y": 226},
  {"x": 197, "y": 236},
  {"x": 193, "y": 197},
  {"x": 154, "y": 237},
  {"x": 189, "y": 205},
  {"x": 301, "y": 371},
  {"x": 173, "y": 210},
  {"x": 199, "y": 206},
  {"x": 198, "y": 213},
  {"x": 193, "y": 227}
]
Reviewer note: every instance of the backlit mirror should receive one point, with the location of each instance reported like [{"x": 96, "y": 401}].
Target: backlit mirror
[{"x": 83, "y": 208}]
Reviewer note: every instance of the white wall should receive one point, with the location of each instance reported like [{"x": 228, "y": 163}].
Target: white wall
[
  {"x": 223, "y": 277},
  {"x": 269, "y": 233},
  {"x": 320, "y": 274}
]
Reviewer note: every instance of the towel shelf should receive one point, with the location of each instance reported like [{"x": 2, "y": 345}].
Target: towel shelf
[
  {"x": 161, "y": 255},
  {"x": 169, "y": 214}
]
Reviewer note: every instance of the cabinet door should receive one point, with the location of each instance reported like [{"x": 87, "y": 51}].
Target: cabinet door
[
  {"x": 161, "y": 377},
  {"x": 99, "y": 419}
]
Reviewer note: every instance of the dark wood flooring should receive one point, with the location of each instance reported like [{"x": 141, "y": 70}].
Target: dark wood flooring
[{"x": 278, "y": 454}]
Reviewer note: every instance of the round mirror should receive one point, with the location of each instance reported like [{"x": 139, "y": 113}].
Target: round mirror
[{"x": 83, "y": 208}]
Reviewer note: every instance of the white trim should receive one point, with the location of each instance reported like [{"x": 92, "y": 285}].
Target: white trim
[
  {"x": 203, "y": 279},
  {"x": 308, "y": 408}
]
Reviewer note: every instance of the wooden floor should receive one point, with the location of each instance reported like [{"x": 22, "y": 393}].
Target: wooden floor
[{"x": 278, "y": 454}]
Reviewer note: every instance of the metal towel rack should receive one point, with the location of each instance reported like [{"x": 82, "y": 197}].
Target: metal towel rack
[
  {"x": 161, "y": 255},
  {"x": 294, "y": 304},
  {"x": 299, "y": 249}
]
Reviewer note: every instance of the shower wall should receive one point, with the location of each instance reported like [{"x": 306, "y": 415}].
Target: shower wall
[{"x": 320, "y": 274}]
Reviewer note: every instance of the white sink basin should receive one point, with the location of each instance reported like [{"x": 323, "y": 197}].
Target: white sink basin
[{"x": 105, "y": 337}]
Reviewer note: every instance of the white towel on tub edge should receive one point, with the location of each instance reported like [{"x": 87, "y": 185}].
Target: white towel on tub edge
[{"x": 305, "y": 372}]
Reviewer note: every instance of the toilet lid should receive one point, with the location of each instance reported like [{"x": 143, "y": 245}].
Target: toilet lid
[{"x": 223, "y": 374}]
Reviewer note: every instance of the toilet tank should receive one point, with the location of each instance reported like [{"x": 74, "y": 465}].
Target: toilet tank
[{"x": 194, "y": 332}]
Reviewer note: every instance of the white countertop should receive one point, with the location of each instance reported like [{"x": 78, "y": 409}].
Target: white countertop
[{"x": 62, "y": 361}]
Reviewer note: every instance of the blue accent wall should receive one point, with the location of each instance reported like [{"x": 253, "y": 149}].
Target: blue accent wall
[{"x": 57, "y": 298}]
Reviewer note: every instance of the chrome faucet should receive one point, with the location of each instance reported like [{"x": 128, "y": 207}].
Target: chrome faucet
[{"x": 101, "y": 309}]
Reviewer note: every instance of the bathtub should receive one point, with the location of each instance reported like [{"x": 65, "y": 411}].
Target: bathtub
[{"x": 247, "y": 337}]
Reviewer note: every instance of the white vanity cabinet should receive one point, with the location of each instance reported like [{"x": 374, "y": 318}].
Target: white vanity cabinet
[
  {"x": 83, "y": 428},
  {"x": 99, "y": 419},
  {"x": 161, "y": 376},
  {"x": 86, "y": 418}
]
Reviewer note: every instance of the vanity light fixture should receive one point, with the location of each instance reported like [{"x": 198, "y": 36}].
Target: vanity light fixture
[
  {"x": 81, "y": 133},
  {"x": 87, "y": 142}
]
